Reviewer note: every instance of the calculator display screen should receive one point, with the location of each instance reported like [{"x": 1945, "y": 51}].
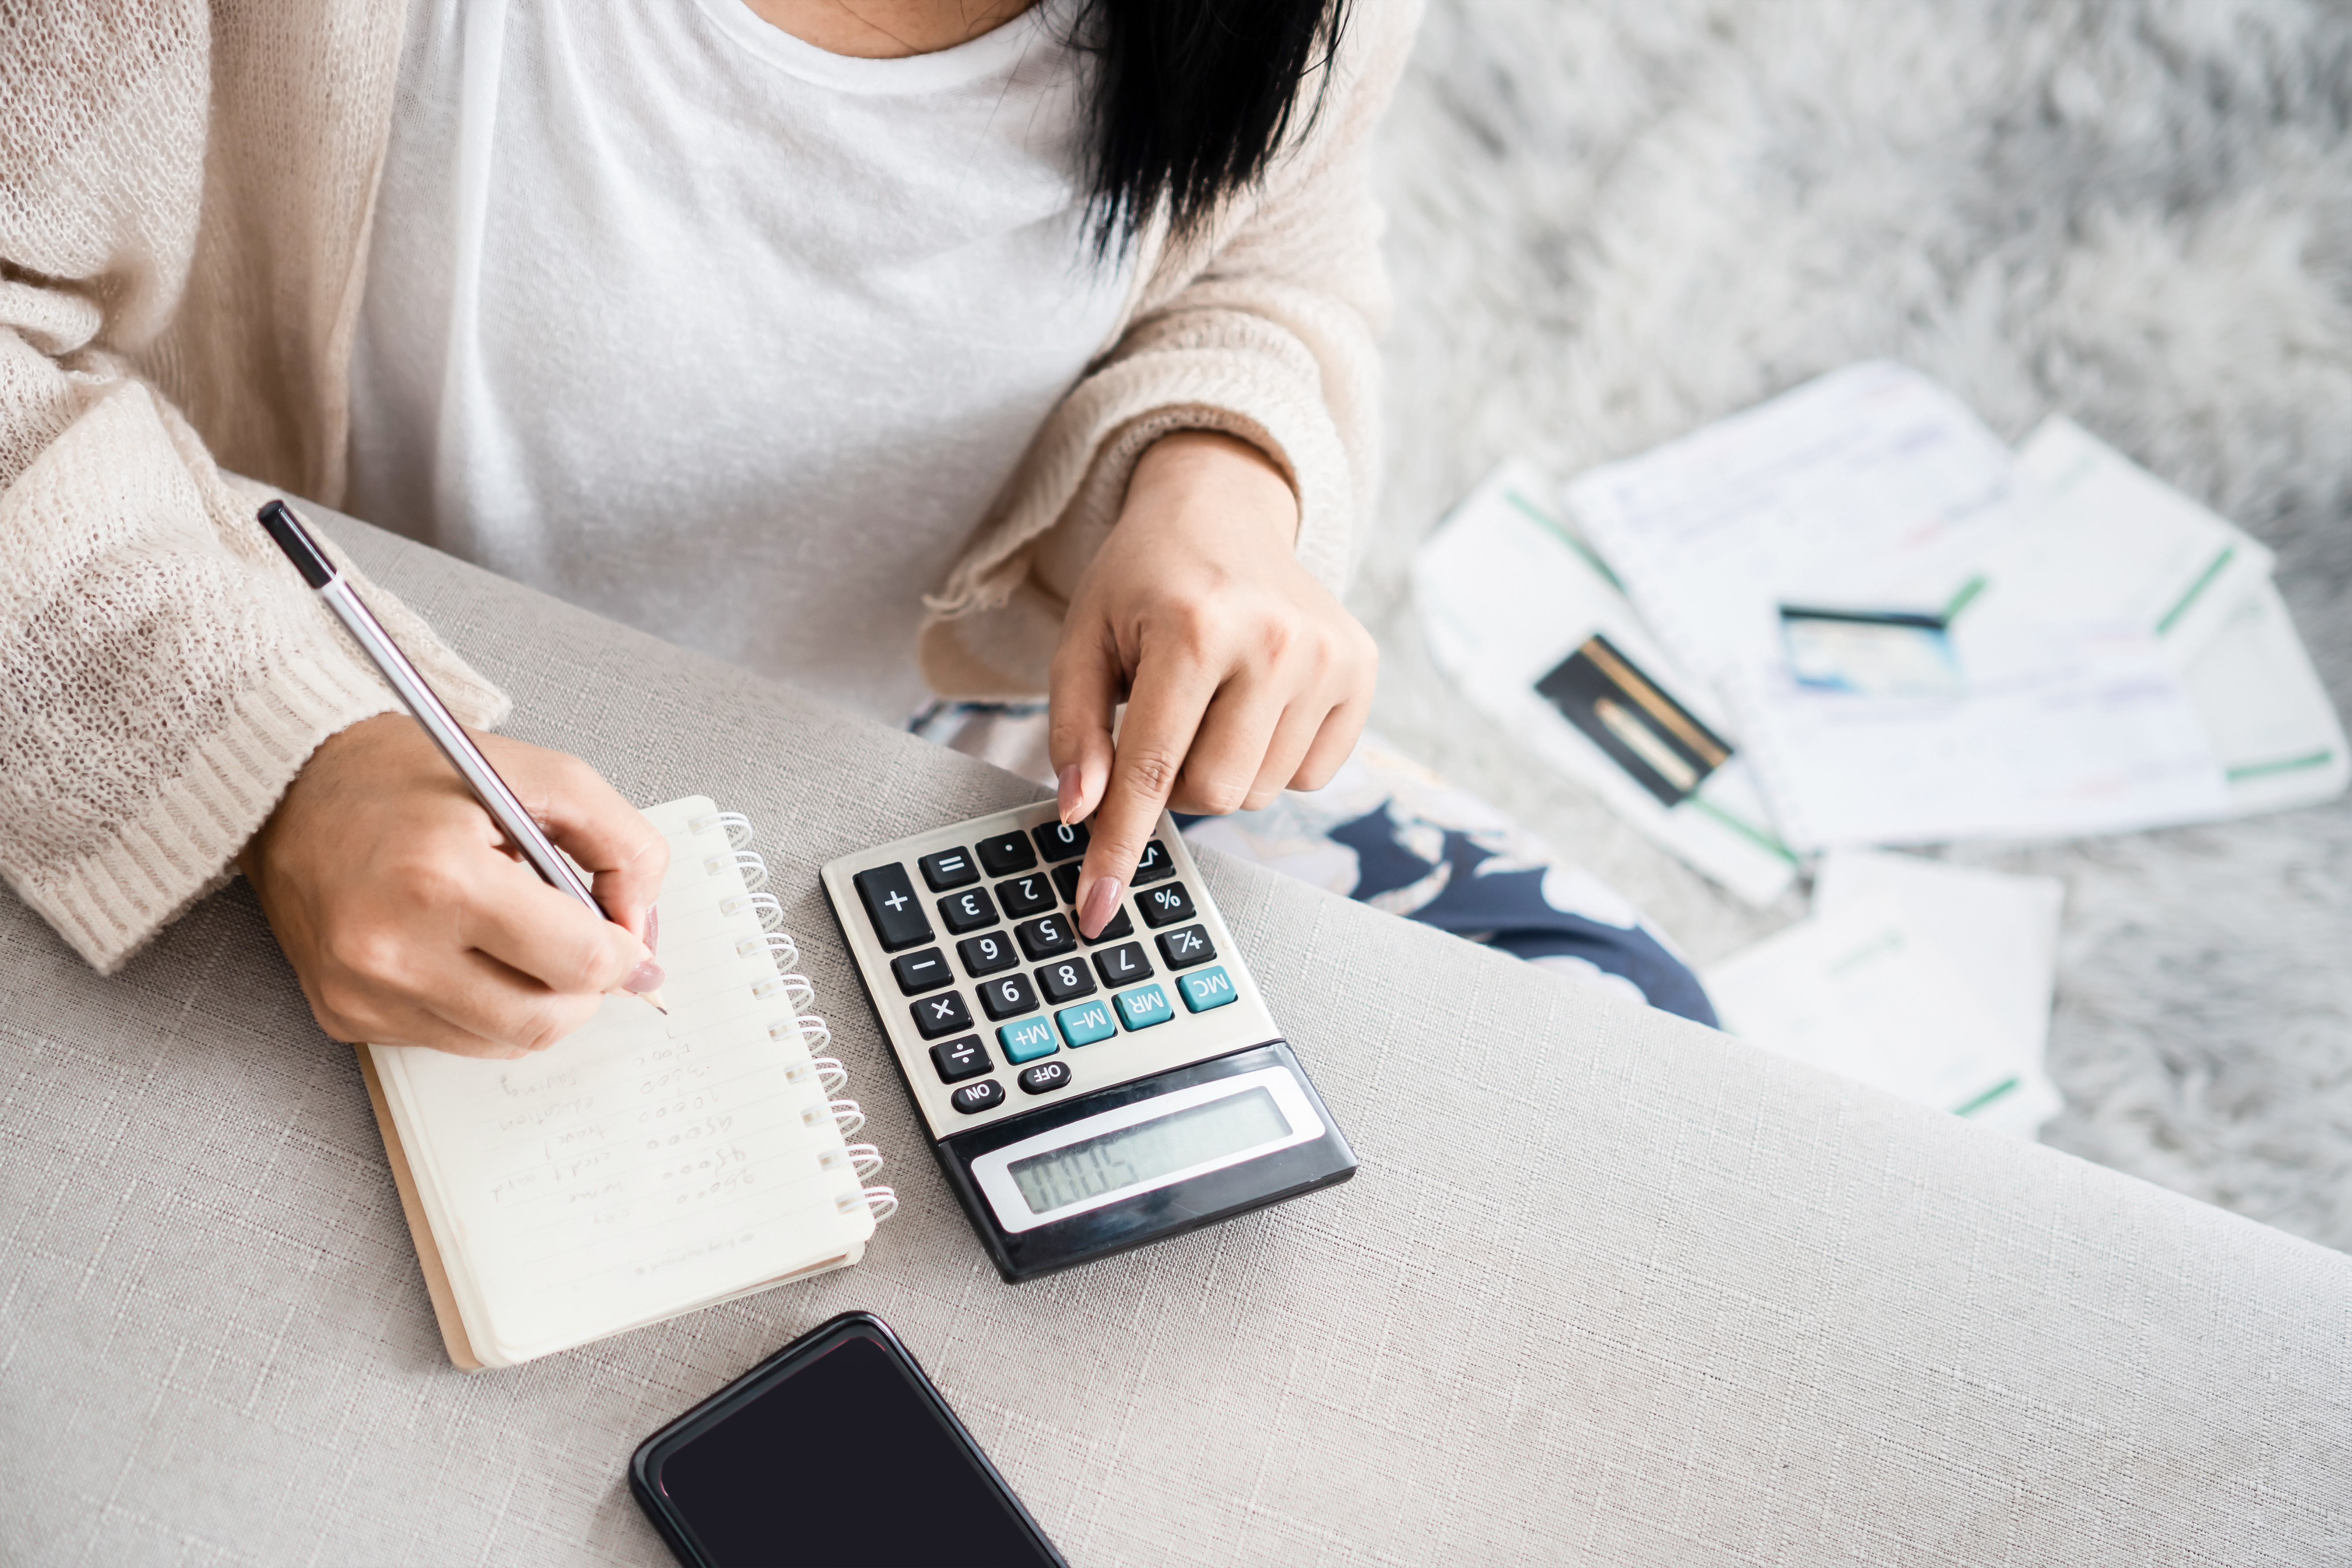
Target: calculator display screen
[{"x": 1126, "y": 1156}]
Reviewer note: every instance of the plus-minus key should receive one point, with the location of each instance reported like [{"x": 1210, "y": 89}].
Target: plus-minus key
[{"x": 890, "y": 903}]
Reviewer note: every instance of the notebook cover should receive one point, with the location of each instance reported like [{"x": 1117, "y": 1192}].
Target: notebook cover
[{"x": 420, "y": 1231}]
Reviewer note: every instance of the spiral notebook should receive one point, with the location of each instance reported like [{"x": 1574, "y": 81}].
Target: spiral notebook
[{"x": 646, "y": 1165}]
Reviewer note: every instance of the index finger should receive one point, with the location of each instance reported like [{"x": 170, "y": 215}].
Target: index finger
[{"x": 1163, "y": 714}]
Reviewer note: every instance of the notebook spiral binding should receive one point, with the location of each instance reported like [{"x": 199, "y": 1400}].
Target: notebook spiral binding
[{"x": 796, "y": 993}]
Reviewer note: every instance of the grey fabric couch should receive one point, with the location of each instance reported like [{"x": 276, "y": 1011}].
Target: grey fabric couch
[{"x": 1610, "y": 1287}]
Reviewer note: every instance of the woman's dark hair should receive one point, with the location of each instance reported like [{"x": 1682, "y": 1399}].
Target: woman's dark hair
[{"x": 1192, "y": 99}]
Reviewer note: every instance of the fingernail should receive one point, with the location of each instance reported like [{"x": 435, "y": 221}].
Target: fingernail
[
  {"x": 1067, "y": 797},
  {"x": 1102, "y": 902},
  {"x": 647, "y": 976},
  {"x": 652, "y": 929}
]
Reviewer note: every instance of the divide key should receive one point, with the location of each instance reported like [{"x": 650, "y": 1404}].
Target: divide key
[{"x": 890, "y": 903}]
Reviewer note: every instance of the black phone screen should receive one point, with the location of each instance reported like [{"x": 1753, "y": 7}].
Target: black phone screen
[{"x": 838, "y": 1451}]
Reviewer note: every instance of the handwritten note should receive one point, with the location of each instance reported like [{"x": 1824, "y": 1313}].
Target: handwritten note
[{"x": 644, "y": 1166}]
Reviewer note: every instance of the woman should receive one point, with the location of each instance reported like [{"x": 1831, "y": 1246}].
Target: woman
[{"x": 1064, "y": 318}]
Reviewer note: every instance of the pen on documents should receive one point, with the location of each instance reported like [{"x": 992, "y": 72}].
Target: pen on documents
[{"x": 454, "y": 744}]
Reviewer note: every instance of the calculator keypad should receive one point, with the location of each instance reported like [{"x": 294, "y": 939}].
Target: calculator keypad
[
  {"x": 959, "y": 1059},
  {"x": 1026, "y": 896},
  {"x": 937, "y": 1015},
  {"x": 1044, "y": 1078},
  {"x": 1066, "y": 981},
  {"x": 949, "y": 869},
  {"x": 986, "y": 955},
  {"x": 1165, "y": 906},
  {"x": 1183, "y": 949},
  {"x": 1085, "y": 1025},
  {"x": 1047, "y": 938},
  {"x": 974, "y": 1097},
  {"x": 1009, "y": 997},
  {"x": 1118, "y": 928},
  {"x": 1025, "y": 1042},
  {"x": 979, "y": 934},
  {"x": 968, "y": 910},
  {"x": 1006, "y": 853},
  {"x": 919, "y": 971},
  {"x": 890, "y": 904},
  {"x": 1123, "y": 964},
  {"x": 1143, "y": 1007},
  {"x": 1060, "y": 841},
  {"x": 1154, "y": 864}
]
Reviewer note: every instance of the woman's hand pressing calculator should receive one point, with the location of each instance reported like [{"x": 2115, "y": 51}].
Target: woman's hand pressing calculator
[{"x": 1083, "y": 1097}]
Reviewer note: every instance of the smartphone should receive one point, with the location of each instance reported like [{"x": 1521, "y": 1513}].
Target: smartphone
[{"x": 834, "y": 1450}]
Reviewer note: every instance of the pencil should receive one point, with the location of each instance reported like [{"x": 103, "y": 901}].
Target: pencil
[{"x": 496, "y": 799}]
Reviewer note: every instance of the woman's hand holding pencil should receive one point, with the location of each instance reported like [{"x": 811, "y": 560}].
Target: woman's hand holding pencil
[{"x": 409, "y": 917}]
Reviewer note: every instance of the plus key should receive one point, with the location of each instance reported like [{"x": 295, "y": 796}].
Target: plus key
[{"x": 890, "y": 903}]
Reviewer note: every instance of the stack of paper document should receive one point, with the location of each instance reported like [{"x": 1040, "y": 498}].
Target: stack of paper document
[
  {"x": 1538, "y": 633},
  {"x": 2122, "y": 658},
  {"x": 1928, "y": 980},
  {"x": 1852, "y": 617}
]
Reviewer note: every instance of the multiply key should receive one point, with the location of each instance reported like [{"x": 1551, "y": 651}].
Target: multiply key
[
  {"x": 890, "y": 904},
  {"x": 937, "y": 1015}
]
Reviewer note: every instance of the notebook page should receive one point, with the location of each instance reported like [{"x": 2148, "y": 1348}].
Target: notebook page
[{"x": 645, "y": 1166}]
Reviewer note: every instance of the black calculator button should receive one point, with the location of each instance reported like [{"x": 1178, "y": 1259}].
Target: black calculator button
[
  {"x": 1117, "y": 928},
  {"x": 1006, "y": 853},
  {"x": 1066, "y": 880},
  {"x": 921, "y": 971},
  {"x": 1123, "y": 965},
  {"x": 937, "y": 1015},
  {"x": 959, "y": 1059},
  {"x": 948, "y": 868},
  {"x": 1046, "y": 1077},
  {"x": 1065, "y": 982},
  {"x": 1009, "y": 997},
  {"x": 1030, "y": 895},
  {"x": 1183, "y": 949},
  {"x": 974, "y": 1097},
  {"x": 890, "y": 904},
  {"x": 986, "y": 955},
  {"x": 968, "y": 910},
  {"x": 1155, "y": 864},
  {"x": 1047, "y": 938},
  {"x": 1056, "y": 841},
  {"x": 1165, "y": 906}
]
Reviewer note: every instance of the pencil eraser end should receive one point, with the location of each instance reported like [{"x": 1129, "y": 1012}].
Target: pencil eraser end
[{"x": 296, "y": 541}]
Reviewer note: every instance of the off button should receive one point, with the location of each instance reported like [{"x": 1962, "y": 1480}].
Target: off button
[{"x": 1046, "y": 1077}]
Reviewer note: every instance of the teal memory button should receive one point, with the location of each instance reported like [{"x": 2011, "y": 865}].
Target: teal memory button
[
  {"x": 1143, "y": 1007},
  {"x": 1206, "y": 988},
  {"x": 1086, "y": 1022},
  {"x": 1026, "y": 1040}
]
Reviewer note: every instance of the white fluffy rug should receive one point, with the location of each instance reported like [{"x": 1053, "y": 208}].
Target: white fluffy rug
[{"x": 1613, "y": 220}]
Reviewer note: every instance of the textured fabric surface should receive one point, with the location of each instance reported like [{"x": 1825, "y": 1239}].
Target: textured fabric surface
[
  {"x": 1610, "y": 1287},
  {"x": 1615, "y": 221}
]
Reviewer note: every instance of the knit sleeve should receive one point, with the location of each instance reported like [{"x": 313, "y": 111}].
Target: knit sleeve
[
  {"x": 166, "y": 675},
  {"x": 1266, "y": 329}
]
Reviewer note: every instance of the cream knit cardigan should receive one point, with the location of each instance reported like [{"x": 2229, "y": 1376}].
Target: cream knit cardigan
[{"x": 185, "y": 200}]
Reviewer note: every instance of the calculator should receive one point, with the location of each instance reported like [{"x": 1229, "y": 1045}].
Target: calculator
[{"x": 1082, "y": 1096}]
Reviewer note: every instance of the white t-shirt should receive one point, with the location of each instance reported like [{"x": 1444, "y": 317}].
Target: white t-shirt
[{"x": 692, "y": 323}]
